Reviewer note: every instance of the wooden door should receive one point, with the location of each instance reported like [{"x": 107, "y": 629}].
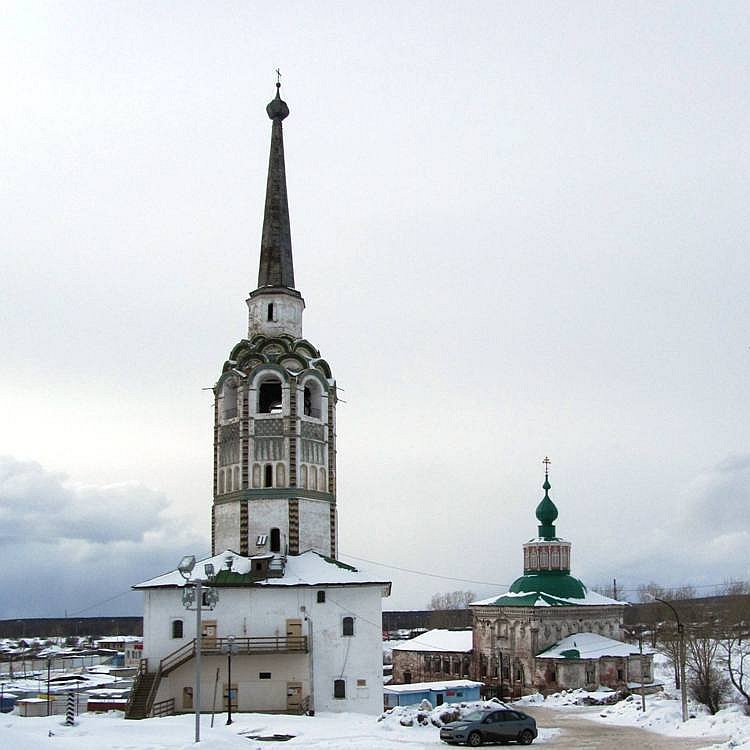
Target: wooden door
[
  {"x": 294, "y": 697},
  {"x": 294, "y": 628},
  {"x": 209, "y": 634}
]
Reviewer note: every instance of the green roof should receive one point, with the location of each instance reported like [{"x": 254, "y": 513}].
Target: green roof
[{"x": 553, "y": 582}]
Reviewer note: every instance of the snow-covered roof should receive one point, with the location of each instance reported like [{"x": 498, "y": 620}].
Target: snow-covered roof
[
  {"x": 420, "y": 687},
  {"x": 589, "y": 646},
  {"x": 438, "y": 640},
  {"x": 542, "y": 599},
  {"x": 308, "y": 569}
]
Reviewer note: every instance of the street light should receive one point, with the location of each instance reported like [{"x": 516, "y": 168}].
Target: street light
[
  {"x": 230, "y": 649},
  {"x": 681, "y": 637},
  {"x": 194, "y": 598}
]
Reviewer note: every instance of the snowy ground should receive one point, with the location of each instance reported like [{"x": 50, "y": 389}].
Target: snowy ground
[{"x": 321, "y": 732}]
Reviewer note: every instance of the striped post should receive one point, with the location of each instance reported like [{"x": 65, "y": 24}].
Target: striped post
[{"x": 70, "y": 713}]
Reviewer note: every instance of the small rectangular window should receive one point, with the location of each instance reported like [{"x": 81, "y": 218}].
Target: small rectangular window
[
  {"x": 264, "y": 675},
  {"x": 321, "y": 597},
  {"x": 339, "y": 688},
  {"x": 361, "y": 683},
  {"x": 270, "y": 311},
  {"x": 260, "y": 540},
  {"x": 347, "y": 626},
  {"x": 176, "y": 628}
]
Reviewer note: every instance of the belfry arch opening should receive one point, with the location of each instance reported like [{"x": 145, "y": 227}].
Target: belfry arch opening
[
  {"x": 229, "y": 399},
  {"x": 312, "y": 398},
  {"x": 269, "y": 397}
]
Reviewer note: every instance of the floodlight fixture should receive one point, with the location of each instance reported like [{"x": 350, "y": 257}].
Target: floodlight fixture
[{"x": 186, "y": 566}]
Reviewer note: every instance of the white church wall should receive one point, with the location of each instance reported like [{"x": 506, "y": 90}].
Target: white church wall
[
  {"x": 315, "y": 525},
  {"x": 227, "y": 526}
]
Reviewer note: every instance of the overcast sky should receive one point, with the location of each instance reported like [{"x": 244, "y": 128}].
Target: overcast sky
[{"x": 520, "y": 230}]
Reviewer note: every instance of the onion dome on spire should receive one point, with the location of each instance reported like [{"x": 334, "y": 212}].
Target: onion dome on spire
[
  {"x": 546, "y": 512},
  {"x": 276, "y": 266}
]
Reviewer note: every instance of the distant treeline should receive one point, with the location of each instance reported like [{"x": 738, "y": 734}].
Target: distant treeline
[
  {"x": 641, "y": 614},
  {"x": 45, "y": 627}
]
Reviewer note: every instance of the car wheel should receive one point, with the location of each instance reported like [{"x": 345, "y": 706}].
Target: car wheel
[
  {"x": 526, "y": 737},
  {"x": 474, "y": 739}
]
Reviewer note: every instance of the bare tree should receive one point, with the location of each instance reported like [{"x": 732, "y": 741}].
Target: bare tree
[
  {"x": 452, "y": 600},
  {"x": 736, "y": 647},
  {"x": 668, "y": 642},
  {"x": 707, "y": 683}
]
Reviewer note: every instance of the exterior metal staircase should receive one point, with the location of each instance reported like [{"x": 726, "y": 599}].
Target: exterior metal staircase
[{"x": 143, "y": 693}]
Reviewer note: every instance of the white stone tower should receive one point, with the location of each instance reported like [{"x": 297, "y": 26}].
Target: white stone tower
[{"x": 275, "y": 407}]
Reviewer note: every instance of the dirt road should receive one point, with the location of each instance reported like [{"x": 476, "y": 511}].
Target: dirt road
[{"x": 583, "y": 734}]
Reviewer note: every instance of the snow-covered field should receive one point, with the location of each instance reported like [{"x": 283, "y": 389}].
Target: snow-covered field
[{"x": 321, "y": 732}]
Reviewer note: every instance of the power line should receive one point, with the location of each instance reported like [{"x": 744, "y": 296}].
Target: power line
[{"x": 428, "y": 575}]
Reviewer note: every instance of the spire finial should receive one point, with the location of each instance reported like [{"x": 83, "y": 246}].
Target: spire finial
[
  {"x": 277, "y": 109},
  {"x": 546, "y": 512}
]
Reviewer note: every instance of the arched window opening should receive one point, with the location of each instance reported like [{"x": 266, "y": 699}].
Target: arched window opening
[
  {"x": 270, "y": 311},
  {"x": 229, "y": 480},
  {"x": 313, "y": 478},
  {"x": 236, "y": 477},
  {"x": 229, "y": 399},
  {"x": 303, "y": 476},
  {"x": 269, "y": 397},
  {"x": 275, "y": 540},
  {"x": 339, "y": 688},
  {"x": 221, "y": 482},
  {"x": 268, "y": 478},
  {"x": 347, "y": 626},
  {"x": 256, "y": 475},
  {"x": 280, "y": 475},
  {"x": 322, "y": 480},
  {"x": 177, "y": 629},
  {"x": 312, "y": 399}
]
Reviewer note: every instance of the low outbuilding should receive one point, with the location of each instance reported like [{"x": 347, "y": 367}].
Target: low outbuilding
[{"x": 437, "y": 693}]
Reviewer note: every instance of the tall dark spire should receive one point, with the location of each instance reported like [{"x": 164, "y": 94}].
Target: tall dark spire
[{"x": 276, "y": 266}]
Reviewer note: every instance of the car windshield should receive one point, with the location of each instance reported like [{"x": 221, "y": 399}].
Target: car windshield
[{"x": 474, "y": 716}]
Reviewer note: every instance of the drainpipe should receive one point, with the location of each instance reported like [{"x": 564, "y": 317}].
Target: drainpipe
[{"x": 308, "y": 620}]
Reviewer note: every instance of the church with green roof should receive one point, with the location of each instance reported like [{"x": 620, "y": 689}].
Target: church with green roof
[{"x": 542, "y": 607}]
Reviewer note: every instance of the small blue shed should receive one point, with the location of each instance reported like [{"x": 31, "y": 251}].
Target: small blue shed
[{"x": 437, "y": 693}]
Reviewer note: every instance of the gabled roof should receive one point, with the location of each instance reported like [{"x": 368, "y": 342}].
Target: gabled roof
[
  {"x": 438, "y": 640},
  {"x": 308, "y": 569},
  {"x": 589, "y": 646}
]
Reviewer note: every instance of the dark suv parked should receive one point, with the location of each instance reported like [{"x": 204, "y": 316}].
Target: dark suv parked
[{"x": 490, "y": 725}]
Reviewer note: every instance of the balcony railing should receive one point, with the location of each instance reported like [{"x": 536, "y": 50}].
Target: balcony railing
[{"x": 288, "y": 644}]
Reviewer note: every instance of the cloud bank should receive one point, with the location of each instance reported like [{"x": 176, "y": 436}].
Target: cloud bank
[{"x": 67, "y": 547}]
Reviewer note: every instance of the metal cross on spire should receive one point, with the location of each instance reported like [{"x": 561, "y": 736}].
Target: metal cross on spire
[
  {"x": 278, "y": 77},
  {"x": 546, "y": 463}
]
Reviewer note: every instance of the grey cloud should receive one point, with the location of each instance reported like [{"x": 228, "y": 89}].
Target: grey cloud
[
  {"x": 68, "y": 547},
  {"x": 36, "y": 504}
]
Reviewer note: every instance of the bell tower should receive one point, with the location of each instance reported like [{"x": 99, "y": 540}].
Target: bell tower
[{"x": 275, "y": 406}]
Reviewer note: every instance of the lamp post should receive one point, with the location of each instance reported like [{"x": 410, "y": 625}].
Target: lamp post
[
  {"x": 230, "y": 649},
  {"x": 194, "y": 595},
  {"x": 681, "y": 637}
]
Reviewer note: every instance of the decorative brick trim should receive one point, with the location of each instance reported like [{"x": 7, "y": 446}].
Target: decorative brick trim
[{"x": 293, "y": 526}]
